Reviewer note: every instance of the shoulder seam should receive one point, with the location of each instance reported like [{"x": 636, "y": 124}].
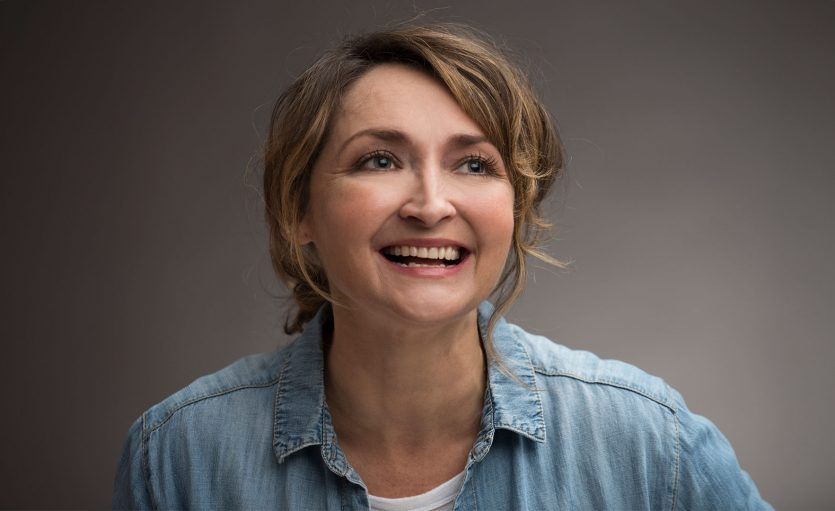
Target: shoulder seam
[
  {"x": 201, "y": 397},
  {"x": 610, "y": 383},
  {"x": 677, "y": 469}
]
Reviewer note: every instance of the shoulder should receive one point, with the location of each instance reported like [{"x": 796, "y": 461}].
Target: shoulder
[
  {"x": 190, "y": 437},
  {"x": 224, "y": 390},
  {"x": 626, "y": 414},
  {"x": 621, "y": 410},
  {"x": 560, "y": 364}
]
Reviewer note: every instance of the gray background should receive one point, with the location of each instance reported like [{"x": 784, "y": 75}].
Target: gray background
[{"x": 698, "y": 211}]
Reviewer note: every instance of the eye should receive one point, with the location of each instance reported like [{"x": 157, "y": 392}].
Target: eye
[
  {"x": 376, "y": 160},
  {"x": 477, "y": 164}
]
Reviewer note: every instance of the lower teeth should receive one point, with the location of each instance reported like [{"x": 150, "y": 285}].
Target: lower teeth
[{"x": 417, "y": 265}]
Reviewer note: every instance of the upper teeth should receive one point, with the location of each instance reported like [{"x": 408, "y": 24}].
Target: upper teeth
[{"x": 448, "y": 253}]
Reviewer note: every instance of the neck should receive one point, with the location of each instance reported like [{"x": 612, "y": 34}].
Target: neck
[{"x": 404, "y": 386}]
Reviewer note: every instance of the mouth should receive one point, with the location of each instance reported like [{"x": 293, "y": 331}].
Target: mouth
[{"x": 408, "y": 256}]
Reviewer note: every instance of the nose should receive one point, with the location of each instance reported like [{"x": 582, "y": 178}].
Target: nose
[{"x": 429, "y": 199}]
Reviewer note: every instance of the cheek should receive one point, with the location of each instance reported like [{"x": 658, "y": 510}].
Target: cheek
[
  {"x": 347, "y": 210},
  {"x": 345, "y": 220},
  {"x": 494, "y": 213}
]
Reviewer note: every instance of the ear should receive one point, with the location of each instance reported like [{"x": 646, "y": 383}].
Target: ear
[{"x": 304, "y": 234}]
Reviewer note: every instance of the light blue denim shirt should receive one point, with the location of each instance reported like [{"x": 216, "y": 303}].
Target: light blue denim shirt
[{"x": 577, "y": 433}]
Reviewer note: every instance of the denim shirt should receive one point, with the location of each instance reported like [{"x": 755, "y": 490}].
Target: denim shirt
[{"x": 574, "y": 432}]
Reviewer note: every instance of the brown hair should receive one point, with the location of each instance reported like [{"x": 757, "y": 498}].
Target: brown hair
[{"x": 491, "y": 90}]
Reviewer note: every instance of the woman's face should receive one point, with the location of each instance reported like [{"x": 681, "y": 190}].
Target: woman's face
[{"x": 411, "y": 211}]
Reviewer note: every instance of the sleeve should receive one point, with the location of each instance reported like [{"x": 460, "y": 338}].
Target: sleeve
[
  {"x": 130, "y": 489},
  {"x": 709, "y": 476}
]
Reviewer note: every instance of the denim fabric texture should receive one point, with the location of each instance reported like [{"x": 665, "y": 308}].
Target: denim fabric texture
[{"x": 575, "y": 432}]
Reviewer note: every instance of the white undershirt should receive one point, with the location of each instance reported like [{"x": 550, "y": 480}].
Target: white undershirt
[{"x": 439, "y": 498}]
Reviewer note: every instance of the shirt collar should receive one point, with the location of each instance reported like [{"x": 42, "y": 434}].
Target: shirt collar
[
  {"x": 302, "y": 418},
  {"x": 513, "y": 402}
]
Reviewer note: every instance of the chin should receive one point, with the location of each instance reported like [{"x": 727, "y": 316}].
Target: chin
[{"x": 428, "y": 312}]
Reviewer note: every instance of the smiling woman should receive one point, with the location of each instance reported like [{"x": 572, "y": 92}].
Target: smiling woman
[
  {"x": 403, "y": 176},
  {"x": 404, "y": 166}
]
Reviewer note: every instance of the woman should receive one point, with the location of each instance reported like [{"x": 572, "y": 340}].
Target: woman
[{"x": 404, "y": 172}]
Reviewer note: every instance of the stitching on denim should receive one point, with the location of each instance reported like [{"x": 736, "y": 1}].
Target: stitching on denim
[
  {"x": 611, "y": 383},
  {"x": 491, "y": 409},
  {"x": 328, "y": 442},
  {"x": 538, "y": 397},
  {"x": 526, "y": 434},
  {"x": 678, "y": 462},
  {"x": 146, "y": 466},
  {"x": 298, "y": 448},
  {"x": 199, "y": 398},
  {"x": 520, "y": 338},
  {"x": 491, "y": 412},
  {"x": 278, "y": 394}
]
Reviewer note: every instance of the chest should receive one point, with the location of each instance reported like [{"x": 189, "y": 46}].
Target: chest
[{"x": 516, "y": 473}]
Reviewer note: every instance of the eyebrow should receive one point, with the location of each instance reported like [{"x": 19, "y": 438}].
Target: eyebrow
[
  {"x": 388, "y": 135},
  {"x": 392, "y": 135}
]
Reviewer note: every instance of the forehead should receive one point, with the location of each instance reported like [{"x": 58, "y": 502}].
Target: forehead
[{"x": 401, "y": 97}]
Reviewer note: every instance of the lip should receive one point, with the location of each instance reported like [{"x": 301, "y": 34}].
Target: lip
[
  {"x": 427, "y": 242},
  {"x": 439, "y": 272},
  {"x": 432, "y": 272}
]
